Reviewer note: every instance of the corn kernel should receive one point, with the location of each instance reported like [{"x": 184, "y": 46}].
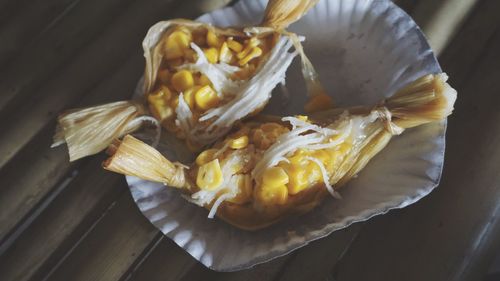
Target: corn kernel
[
  {"x": 162, "y": 93},
  {"x": 164, "y": 76},
  {"x": 302, "y": 118},
  {"x": 189, "y": 96},
  {"x": 160, "y": 111},
  {"x": 313, "y": 173},
  {"x": 206, "y": 156},
  {"x": 239, "y": 143},
  {"x": 209, "y": 175},
  {"x": 176, "y": 43},
  {"x": 182, "y": 80},
  {"x": 256, "y": 52},
  {"x": 213, "y": 40},
  {"x": 319, "y": 102},
  {"x": 234, "y": 45},
  {"x": 271, "y": 195},
  {"x": 274, "y": 176},
  {"x": 206, "y": 98},
  {"x": 297, "y": 177},
  {"x": 244, "y": 182},
  {"x": 212, "y": 55},
  {"x": 225, "y": 54}
]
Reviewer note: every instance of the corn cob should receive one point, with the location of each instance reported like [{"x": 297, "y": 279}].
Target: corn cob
[
  {"x": 199, "y": 79},
  {"x": 269, "y": 169}
]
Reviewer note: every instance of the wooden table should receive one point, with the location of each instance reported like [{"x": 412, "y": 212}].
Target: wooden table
[{"x": 74, "y": 221}]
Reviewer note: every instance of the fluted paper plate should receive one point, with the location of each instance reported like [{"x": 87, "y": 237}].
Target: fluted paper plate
[{"x": 363, "y": 50}]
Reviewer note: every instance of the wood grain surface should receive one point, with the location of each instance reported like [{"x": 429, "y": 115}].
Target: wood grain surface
[{"x": 74, "y": 221}]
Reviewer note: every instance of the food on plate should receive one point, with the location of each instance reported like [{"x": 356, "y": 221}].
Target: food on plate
[
  {"x": 198, "y": 81},
  {"x": 270, "y": 167}
]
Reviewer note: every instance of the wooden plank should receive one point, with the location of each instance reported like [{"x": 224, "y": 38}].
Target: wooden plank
[
  {"x": 56, "y": 47},
  {"x": 119, "y": 41},
  {"x": 46, "y": 166},
  {"x": 264, "y": 272},
  {"x": 28, "y": 23},
  {"x": 111, "y": 247},
  {"x": 63, "y": 222},
  {"x": 167, "y": 262},
  {"x": 451, "y": 234},
  {"x": 440, "y": 20},
  {"x": 317, "y": 260},
  {"x": 471, "y": 41}
]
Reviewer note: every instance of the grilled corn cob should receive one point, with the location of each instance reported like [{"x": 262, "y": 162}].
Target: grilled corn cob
[{"x": 266, "y": 170}]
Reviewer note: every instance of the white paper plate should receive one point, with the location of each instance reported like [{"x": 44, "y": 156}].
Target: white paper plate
[{"x": 363, "y": 50}]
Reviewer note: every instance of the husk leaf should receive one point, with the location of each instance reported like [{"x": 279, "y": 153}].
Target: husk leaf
[
  {"x": 135, "y": 158},
  {"x": 90, "y": 130}
]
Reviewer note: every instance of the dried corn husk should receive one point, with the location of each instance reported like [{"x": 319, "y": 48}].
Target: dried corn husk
[
  {"x": 90, "y": 130},
  {"x": 369, "y": 130},
  {"x": 133, "y": 157}
]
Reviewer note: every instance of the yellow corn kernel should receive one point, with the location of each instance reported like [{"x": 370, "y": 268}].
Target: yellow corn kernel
[
  {"x": 225, "y": 54},
  {"x": 212, "y": 55},
  {"x": 324, "y": 156},
  {"x": 162, "y": 93},
  {"x": 274, "y": 176},
  {"x": 189, "y": 96},
  {"x": 270, "y": 195},
  {"x": 256, "y": 52},
  {"x": 206, "y": 98},
  {"x": 319, "y": 102},
  {"x": 234, "y": 45},
  {"x": 239, "y": 143},
  {"x": 302, "y": 118},
  {"x": 297, "y": 179},
  {"x": 209, "y": 175},
  {"x": 313, "y": 173},
  {"x": 203, "y": 80},
  {"x": 176, "y": 43},
  {"x": 182, "y": 80},
  {"x": 244, "y": 182},
  {"x": 158, "y": 103},
  {"x": 213, "y": 40},
  {"x": 206, "y": 156},
  {"x": 164, "y": 76}
]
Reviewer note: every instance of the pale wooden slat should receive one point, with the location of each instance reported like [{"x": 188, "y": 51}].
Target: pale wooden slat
[
  {"x": 111, "y": 247},
  {"x": 112, "y": 47},
  {"x": 58, "y": 46},
  {"x": 37, "y": 168},
  {"x": 66, "y": 219},
  {"x": 28, "y": 23},
  {"x": 441, "y": 19},
  {"x": 453, "y": 233}
]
